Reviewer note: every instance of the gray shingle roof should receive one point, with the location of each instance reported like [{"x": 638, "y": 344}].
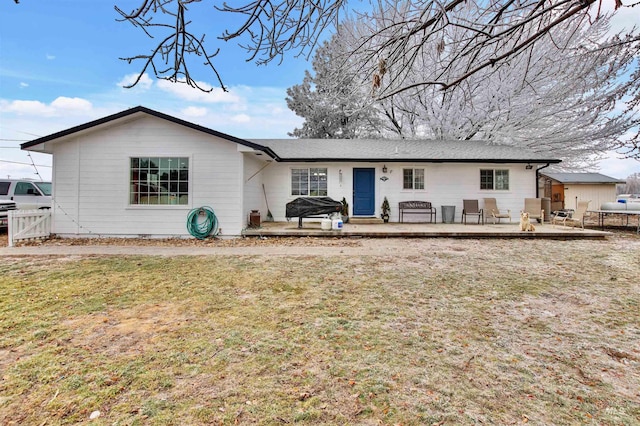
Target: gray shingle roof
[
  {"x": 373, "y": 150},
  {"x": 397, "y": 150},
  {"x": 582, "y": 178}
]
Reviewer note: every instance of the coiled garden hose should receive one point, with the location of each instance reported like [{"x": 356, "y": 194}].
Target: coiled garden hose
[{"x": 201, "y": 228}]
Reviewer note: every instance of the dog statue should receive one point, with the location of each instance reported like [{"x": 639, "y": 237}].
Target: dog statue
[{"x": 525, "y": 223}]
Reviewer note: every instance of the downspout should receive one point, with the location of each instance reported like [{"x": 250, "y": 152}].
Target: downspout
[{"x": 538, "y": 179}]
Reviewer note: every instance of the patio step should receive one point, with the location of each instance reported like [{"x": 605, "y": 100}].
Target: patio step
[{"x": 365, "y": 220}]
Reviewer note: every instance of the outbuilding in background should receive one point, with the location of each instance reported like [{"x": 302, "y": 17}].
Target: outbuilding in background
[{"x": 566, "y": 189}]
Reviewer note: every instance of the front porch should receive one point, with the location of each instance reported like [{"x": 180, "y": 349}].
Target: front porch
[{"x": 421, "y": 230}]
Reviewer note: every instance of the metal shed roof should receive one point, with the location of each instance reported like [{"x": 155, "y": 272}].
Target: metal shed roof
[{"x": 582, "y": 178}]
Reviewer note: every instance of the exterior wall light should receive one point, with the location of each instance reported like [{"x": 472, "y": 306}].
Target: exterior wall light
[{"x": 384, "y": 169}]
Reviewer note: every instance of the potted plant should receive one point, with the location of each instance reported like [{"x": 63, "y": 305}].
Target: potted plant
[
  {"x": 345, "y": 210},
  {"x": 386, "y": 210}
]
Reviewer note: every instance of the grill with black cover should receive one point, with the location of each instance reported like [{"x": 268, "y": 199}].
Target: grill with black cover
[{"x": 312, "y": 207}]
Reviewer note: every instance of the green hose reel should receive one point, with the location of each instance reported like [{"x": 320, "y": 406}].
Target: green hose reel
[{"x": 202, "y": 222}]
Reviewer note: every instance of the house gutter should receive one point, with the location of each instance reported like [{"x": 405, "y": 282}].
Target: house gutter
[
  {"x": 411, "y": 160},
  {"x": 538, "y": 179}
]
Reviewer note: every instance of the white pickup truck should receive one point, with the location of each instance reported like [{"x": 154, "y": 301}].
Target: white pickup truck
[
  {"x": 27, "y": 194},
  {"x": 5, "y": 206}
]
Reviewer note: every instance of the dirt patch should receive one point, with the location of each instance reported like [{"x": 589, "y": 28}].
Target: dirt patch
[
  {"x": 188, "y": 242},
  {"x": 125, "y": 332}
]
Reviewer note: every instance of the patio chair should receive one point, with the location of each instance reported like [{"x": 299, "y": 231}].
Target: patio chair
[
  {"x": 491, "y": 208},
  {"x": 577, "y": 217},
  {"x": 533, "y": 206},
  {"x": 471, "y": 208}
]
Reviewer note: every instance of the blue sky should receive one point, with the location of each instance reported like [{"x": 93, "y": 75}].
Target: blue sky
[{"x": 59, "y": 67}]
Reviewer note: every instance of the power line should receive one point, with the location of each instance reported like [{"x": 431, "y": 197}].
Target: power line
[
  {"x": 20, "y": 131},
  {"x": 25, "y": 164}
]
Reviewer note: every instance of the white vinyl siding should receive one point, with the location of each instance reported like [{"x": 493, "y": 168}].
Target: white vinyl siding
[{"x": 92, "y": 176}]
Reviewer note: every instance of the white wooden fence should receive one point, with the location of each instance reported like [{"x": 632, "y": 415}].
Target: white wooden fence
[{"x": 28, "y": 224}]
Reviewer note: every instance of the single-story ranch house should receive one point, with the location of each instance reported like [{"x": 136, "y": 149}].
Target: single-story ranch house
[{"x": 140, "y": 172}]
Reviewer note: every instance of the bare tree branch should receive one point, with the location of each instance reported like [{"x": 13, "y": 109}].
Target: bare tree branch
[
  {"x": 275, "y": 27},
  {"x": 173, "y": 50},
  {"x": 271, "y": 28}
]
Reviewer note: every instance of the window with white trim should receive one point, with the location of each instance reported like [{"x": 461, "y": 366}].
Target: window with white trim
[
  {"x": 494, "y": 179},
  {"x": 412, "y": 178},
  {"x": 159, "y": 180},
  {"x": 310, "y": 182}
]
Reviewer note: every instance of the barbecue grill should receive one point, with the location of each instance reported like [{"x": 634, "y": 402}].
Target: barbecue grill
[{"x": 312, "y": 207}]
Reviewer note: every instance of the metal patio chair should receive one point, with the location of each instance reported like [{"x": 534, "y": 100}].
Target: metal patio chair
[{"x": 471, "y": 208}]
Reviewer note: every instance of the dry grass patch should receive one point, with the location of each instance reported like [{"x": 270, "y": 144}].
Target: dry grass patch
[{"x": 441, "y": 332}]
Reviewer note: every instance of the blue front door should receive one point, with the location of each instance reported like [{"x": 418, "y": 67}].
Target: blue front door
[{"x": 364, "y": 192}]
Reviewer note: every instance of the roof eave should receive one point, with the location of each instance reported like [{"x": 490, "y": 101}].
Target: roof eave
[{"x": 419, "y": 160}]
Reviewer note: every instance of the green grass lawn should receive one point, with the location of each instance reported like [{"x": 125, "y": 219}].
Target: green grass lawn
[{"x": 449, "y": 332}]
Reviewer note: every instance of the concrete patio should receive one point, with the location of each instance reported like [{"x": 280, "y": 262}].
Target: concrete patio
[{"x": 311, "y": 228}]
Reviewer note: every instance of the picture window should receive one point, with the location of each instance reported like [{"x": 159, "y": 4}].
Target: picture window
[{"x": 159, "y": 181}]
